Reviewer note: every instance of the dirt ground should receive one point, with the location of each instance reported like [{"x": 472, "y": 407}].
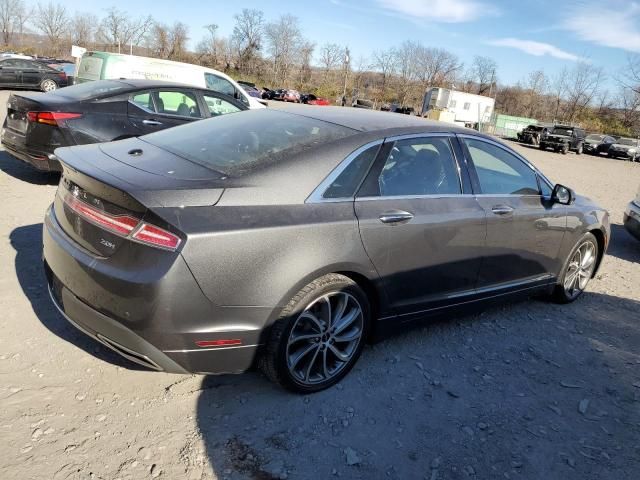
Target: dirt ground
[{"x": 531, "y": 390}]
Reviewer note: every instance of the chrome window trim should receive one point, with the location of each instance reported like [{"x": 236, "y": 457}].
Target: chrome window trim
[
  {"x": 512, "y": 152},
  {"x": 317, "y": 196},
  {"x": 416, "y": 197}
]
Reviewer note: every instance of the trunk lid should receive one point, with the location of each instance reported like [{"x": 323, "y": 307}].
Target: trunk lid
[
  {"x": 19, "y": 104},
  {"x": 96, "y": 187}
]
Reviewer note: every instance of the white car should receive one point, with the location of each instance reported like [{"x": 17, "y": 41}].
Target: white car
[{"x": 632, "y": 217}]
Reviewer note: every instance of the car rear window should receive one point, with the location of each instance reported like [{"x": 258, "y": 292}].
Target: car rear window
[
  {"x": 84, "y": 91},
  {"x": 237, "y": 143}
]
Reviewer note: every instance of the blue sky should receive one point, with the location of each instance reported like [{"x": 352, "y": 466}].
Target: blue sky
[{"x": 520, "y": 35}]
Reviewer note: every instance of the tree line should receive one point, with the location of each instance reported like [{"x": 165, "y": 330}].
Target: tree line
[{"x": 275, "y": 53}]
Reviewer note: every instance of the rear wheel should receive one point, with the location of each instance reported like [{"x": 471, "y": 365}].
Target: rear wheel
[
  {"x": 48, "y": 85},
  {"x": 579, "y": 149},
  {"x": 578, "y": 270},
  {"x": 565, "y": 149},
  {"x": 319, "y": 335}
]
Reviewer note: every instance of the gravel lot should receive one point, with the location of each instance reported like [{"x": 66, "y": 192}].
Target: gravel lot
[{"x": 531, "y": 390}]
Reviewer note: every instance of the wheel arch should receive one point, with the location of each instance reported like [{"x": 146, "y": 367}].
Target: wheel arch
[{"x": 600, "y": 238}]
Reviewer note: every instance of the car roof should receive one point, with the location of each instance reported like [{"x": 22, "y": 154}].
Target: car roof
[
  {"x": 143, "y": 83},
  {"x": 368, "y": 120}
]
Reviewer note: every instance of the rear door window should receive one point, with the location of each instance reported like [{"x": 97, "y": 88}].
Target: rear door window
[
  {"x": 181, "y": 103},
  {"x": 143, "y": 100}
]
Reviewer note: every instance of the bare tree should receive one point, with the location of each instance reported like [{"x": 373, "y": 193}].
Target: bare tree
[
  {"x": 247, "y": 37},
  {"x": 331, "y": 54},
  {"x": 306, "y": 54},
  {"x": 83, "y": 29},
  {"x": 436, "y": 67},
  {"x": 22, "y": 14},
  {"x": 118, "y": 29},
  {"x": 283, "y": 40},
  {"x": 52, "y": 20},
  {"x": 384, "y": 61},
  {"x": 537, "y": 85},
  {"x": 583, "y": 83},
  {"x": 629, "y": 105},
  {"x": 8, "y": 10},
  {"x": 169, "y": 42},
  {"x": 482, "y": 74}
]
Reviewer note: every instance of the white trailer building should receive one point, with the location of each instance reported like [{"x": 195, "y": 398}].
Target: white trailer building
[{"x": 467, "y": 108}]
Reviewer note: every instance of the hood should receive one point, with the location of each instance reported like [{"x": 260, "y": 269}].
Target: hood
[{"x": 624, "y": 148}]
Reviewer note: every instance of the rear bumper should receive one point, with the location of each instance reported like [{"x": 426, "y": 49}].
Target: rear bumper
[
  {"x": 44, "y": 161},
  {"x": 155, "y": 323},
  {"x": 632, "y": 220}
]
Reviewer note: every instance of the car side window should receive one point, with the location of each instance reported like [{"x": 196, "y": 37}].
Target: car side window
[
  {"x": 177, "y": 102},
  {"x": 218, "y": 106},
  {"x": 143, "y": 100},
  {"x": 420, "y": 166},
  {"x": 500, "y": 172},
  {"x": 219, "y": 84},
  {"x": 345, "y": 185},
  {"x": 8, "y": 64}
]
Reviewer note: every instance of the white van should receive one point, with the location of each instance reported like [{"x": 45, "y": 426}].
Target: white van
[{"x": 115, "y": 66}]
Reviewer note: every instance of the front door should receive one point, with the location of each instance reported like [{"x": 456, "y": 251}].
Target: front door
[
  {"x": 422, "y": 232},
  {"x": 524, "y": 228}
]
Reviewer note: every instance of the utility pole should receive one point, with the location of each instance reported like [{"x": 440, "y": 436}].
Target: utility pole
[{"x": 346, "y": 75}]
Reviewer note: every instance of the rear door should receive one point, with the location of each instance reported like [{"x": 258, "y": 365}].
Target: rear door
[
  {"x": 524, "y": 228},
  {"x": 153, "y": 110},
  {"x": 9, "y": 72},
  {"x": 420, "y": 224},
  {"x": 32, "y": 72}
]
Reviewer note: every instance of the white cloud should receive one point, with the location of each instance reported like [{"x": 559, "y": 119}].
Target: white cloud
[
  {"x": 538, "y": 49},
  {"x": 448, "y": 11},
  {"x": 605, "y": 25}
]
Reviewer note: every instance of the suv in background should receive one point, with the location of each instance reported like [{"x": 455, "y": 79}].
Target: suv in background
[
  {"x": 563, "y": 139},
  {"x": 533, "y": 134}
]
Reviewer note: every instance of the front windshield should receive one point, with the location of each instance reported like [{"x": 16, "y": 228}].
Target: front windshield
[
  {"x": 563, "y": 131},
  {"x": 628, "y": 141},
  {"x": 595, "y": 138}
]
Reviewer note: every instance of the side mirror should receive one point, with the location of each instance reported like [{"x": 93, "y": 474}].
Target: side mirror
[{"x": 562, "y": 195}]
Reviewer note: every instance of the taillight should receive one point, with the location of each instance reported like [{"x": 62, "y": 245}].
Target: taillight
[
  {"x": 124, "y": 225},
  {"x": 51, "y": 118},
  {"x": 158, "y": 237}
]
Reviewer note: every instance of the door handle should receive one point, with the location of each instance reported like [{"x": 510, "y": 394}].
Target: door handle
[
  {"x": 395, "y": 217},
  {"x": 502, "y": 210},
  {"x": 151, "y": 122}
]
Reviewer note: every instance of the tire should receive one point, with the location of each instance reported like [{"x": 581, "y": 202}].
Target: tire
[
  {"x": 48, "y": 85},
  {"x": 299, "y": 354},
  {"x": 565, "y": 149},
  {"x": 564, "y": 294},
  {"x": 579, "y": 149}
]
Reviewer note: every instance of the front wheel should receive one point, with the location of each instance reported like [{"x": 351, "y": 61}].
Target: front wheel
[
  {"x": 48, "y": 85},
  {"x": 578, "y": 270},
  {"x": 579, "y": 150},
  {"x": 565, "y": 149},
  {"x": 319, "y": 335}
]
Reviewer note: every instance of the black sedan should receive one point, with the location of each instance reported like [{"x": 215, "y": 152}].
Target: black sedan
[
  {"x": 37, "y": 123},
  {"x": 288, "y": 238},
  {"x": 30, "y": 74},
  {"x": 596, "y": 144}
]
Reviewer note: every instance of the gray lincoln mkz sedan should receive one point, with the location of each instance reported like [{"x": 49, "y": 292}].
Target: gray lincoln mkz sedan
[{"x": 288, "y": 238}]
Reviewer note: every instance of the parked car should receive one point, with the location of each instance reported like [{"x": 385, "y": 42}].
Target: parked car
[
  {"x": 626, "y": 148},
  {"x": 30, "y": 74},
  {"x": 311, "y": 99},
  {"x": 278, "y": 94},
  {"x": 632, "y": 217},
  {"x": 15, "y": 55},
  {"x": 533, "y": 134},
  {"x": 382, "y": 225},
  {"x": 267, "y": 93},
  {"x": 115, "y": 66},
  {"x": 596, "y": 143},
  {"x": 563, "y": 139},
  {"x": 362, "y": 103},
  {"x": 250, "y": 88},
  {"x": 68, "y": 68},
  {"x": 291, "y": 96},
  {"x": 37, "y": 123}
]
